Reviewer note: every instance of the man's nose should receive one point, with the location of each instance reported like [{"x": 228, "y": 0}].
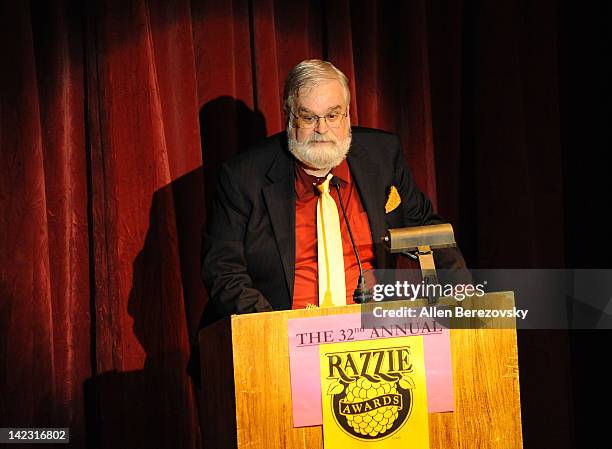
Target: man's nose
[{"x": 321, "y": 126}]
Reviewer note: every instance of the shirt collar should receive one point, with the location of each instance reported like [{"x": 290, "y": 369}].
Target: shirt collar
[{"x": 304, "y": 182}]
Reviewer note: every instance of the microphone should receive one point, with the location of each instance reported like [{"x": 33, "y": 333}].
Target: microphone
[{"x": 362, "y": 293}]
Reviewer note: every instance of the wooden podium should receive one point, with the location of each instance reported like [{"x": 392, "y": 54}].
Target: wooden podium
[{"x": 246, "y": 391}]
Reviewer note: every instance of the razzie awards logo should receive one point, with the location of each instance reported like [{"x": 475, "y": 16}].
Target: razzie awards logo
[{"x": 372, "y": 394}]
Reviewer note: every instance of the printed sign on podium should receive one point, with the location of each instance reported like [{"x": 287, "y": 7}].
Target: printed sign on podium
[{"x": 374, "y": 394}]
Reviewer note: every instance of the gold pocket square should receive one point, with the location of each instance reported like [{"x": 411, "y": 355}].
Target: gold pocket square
[{"x": 393, "y": 200}]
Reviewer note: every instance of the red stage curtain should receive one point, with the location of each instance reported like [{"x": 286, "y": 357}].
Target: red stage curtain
[
  {"x": 45, "y": 289},
  {"x": 115, "y": 116}
]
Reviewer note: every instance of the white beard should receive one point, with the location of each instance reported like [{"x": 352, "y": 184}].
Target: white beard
[{"x": 319, "y": 156}]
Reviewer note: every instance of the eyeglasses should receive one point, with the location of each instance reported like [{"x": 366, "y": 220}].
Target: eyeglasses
[{"x": 306, "y": 120}]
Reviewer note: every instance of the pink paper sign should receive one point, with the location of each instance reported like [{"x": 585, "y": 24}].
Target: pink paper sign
[{"x": 306, "y": 334}]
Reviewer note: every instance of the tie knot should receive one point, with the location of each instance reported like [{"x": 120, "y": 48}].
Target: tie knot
[{"x": 324, "y": 186}]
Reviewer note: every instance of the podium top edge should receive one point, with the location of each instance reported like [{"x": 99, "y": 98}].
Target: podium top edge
[{"x": 356, "y": 308}]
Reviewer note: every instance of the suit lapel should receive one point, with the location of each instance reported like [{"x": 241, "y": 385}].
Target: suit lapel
[
  {"x": 280, "y": 203},
  {"x": 366, "y": 174}
]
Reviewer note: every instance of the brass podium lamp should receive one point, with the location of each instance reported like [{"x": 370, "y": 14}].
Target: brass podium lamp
[{"x": 417, "y": 242}]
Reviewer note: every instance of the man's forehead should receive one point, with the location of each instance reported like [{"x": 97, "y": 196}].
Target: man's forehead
[
  {"x": 337, "y": 107},
  {"x": 325, "y": 95}
]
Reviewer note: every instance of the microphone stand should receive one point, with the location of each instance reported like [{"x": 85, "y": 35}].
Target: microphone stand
[{"x": 362, "y": 293}]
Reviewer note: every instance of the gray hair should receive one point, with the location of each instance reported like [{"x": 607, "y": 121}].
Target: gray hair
[{"x": 308, "y": 74}]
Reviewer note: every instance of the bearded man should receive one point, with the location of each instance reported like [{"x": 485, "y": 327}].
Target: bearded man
[{"x": 275, "y": 239}]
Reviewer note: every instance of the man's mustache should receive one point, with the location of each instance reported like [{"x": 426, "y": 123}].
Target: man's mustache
[{"x": 314, "y": 137}]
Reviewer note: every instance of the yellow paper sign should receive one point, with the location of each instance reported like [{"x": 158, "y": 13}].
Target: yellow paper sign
[{"x": 374, "y": 394}]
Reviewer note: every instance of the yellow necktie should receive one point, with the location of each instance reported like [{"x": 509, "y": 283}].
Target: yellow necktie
[{"x": 332, "y": 287}]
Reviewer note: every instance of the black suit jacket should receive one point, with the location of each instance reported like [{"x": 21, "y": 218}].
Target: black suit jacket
[{"x": 249, "y": 242}]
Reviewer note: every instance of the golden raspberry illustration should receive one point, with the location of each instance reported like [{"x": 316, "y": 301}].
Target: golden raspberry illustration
[{"x": 373, "y": 422}]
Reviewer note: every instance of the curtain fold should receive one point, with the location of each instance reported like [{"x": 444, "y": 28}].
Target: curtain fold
[
  {"x": 45, "y": 283},
  {"x": 148, "y": 117}
]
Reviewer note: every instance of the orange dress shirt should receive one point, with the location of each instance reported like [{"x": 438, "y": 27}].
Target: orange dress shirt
[{"x": 306, "y": 287}]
